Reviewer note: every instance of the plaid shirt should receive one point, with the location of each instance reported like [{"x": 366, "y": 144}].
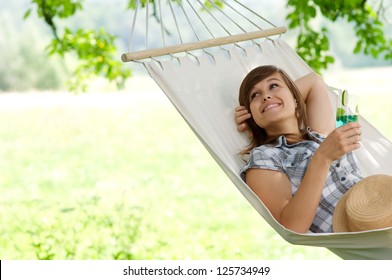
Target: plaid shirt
[{"x": 293, "y": 160}]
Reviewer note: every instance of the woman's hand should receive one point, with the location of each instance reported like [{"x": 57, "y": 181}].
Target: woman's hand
[
  {"x": 241, "y": 116},
  {"x": 341, "y": 141}
]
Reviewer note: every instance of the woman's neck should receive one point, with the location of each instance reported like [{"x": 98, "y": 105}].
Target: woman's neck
[{"x": 284, "y": 129}]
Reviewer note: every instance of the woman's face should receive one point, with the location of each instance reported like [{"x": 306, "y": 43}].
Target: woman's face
[{"x": 272, "y": 104}]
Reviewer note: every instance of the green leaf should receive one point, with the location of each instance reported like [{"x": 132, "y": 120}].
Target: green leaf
[
  {"x": 329, "y": 59},
  {"x": 374, "y": 53},
  {"x": 27, "y": 14},
  {"x": 358, "y": 47},
  {"x": 293, "y": 24},
  {"x": 132, "y": 4},
  {"x": 311, "y": 11}
]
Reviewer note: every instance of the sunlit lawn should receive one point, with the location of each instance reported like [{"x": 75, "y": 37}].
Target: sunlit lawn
[{"x": 119, "y": 176}]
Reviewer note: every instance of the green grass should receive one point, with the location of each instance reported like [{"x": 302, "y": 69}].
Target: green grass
[{"x": 120, "y": 177}]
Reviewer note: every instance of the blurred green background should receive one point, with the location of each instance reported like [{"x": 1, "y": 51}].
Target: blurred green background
[{"x": 117, "y": 174}]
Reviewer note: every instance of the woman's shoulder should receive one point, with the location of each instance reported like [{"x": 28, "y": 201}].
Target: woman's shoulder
[
  {"x": 264, "y": 157},
  {"x": 265, "y": 151}
]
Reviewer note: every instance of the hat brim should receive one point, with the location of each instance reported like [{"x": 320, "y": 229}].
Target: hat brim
[
  {"x": 339, "y": 219},
  {"x": 372, "y": 191}
]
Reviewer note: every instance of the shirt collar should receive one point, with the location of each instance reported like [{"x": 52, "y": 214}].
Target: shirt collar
[{"x": 315, "y": 136}]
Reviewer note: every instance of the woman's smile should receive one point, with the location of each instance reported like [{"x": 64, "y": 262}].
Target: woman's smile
[{"x": 271, "y": 106}]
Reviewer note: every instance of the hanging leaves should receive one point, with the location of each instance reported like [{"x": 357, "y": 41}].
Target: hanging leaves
[
  {"x": 313, "y": 44},
  {"x": 95, "y": 50}
]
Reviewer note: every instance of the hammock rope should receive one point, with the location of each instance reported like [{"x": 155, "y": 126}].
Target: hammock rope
[
  {"x": 175, "y": 21},
  {"x": 133, "y": 27},
  {"x": 215, "y": 19},
  {"x": 209, "y": 27},
  {"x": 207, "y": 98},
  {"x": 162, "y": 24},
  {"x": 147, "y": 26}
]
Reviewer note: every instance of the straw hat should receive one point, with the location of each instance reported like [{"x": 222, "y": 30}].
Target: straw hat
[{"x": 366, "y": 206}]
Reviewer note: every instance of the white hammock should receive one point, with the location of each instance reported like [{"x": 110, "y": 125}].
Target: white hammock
[{"x": 204, "y": 90}]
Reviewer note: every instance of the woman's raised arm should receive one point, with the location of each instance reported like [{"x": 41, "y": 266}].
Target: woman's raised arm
[{"x": 318, "y": 105}]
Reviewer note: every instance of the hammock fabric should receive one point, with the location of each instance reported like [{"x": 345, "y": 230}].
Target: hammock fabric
[{"x": 204, "y": 90}]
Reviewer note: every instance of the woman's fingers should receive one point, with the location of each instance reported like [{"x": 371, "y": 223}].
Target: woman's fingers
[
  {"x": 350, "y": 127},
  {"x": 351, "y": 133},
  {"x": 241, "y": 115},
  {"x": 342, "y": 140},
  {"x": 351, "y": 136},
  {"x": 242, "y": 118},
  {"x": 241, "y": 127}
]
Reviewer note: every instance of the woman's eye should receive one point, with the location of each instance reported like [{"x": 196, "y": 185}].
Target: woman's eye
[
  {"x": 254, "y": 95},
  {"x": 272, "y": 86}
]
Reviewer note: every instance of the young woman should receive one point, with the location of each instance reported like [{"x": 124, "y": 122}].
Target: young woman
[{"x": 299, "y": 164}]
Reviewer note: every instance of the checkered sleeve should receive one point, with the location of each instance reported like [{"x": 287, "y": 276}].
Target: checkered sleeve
[{"x": 264, "y": 157}]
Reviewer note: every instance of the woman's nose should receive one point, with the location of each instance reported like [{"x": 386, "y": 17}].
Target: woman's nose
[{"x": 266, "y": 97}]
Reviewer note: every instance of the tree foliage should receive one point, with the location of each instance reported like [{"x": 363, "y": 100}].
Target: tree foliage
[
  {"x": 97, "y": 55},
  {"x": 95, "y": 49},
  {"x": 313, "y": 45}
]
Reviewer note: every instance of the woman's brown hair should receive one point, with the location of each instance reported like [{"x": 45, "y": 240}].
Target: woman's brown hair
[{"x": 259, "y": 135}]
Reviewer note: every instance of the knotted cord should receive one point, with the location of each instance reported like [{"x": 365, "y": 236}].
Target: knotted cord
[{"x": 198, "y": 20}]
